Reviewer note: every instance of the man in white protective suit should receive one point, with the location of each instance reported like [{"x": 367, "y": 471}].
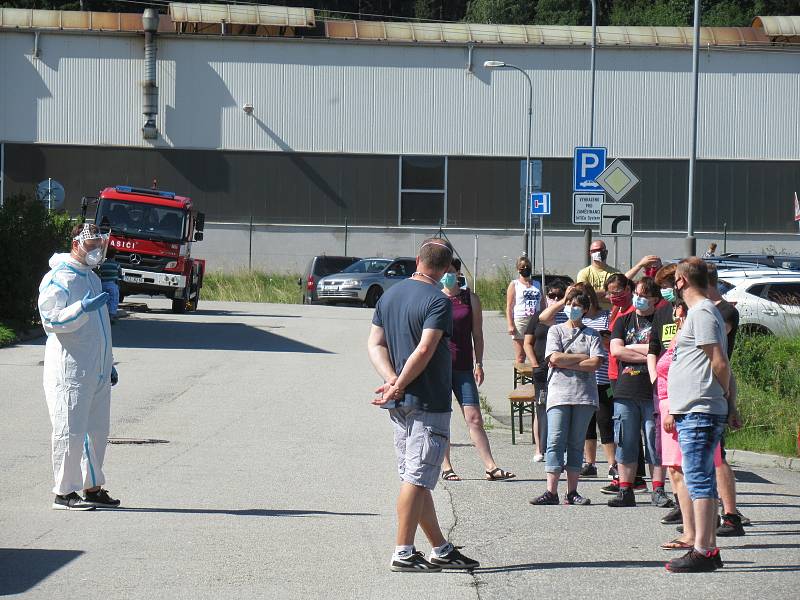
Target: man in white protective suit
[{"x": 78, "y": 370}]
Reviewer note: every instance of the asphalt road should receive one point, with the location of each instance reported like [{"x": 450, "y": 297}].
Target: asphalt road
[{"x": 277, "y": 481}]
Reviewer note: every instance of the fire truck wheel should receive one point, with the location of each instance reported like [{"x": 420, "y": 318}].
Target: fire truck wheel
[{"x": 179, "y": 305}]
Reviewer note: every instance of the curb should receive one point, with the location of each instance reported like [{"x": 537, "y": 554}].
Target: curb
[{"x": 754, "y": 459}]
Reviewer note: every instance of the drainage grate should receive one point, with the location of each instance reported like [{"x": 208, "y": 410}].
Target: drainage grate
[{"x": 136, "y": 441}]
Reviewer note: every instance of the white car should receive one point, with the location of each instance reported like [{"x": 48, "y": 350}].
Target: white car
[{"x": 768, "y": 302}]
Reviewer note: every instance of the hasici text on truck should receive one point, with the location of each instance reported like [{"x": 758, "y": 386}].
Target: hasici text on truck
[{"x": 153, "y": 232}]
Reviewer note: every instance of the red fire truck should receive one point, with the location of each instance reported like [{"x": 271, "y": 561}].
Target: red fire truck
[{"x": 153, "y": 232}]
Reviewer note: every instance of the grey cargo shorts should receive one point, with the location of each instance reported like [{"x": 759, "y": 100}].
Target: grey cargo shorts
[{"x": 420, "y": 442}]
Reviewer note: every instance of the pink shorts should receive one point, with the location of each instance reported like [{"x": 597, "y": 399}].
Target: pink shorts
[{"x": 670, "y": 448}]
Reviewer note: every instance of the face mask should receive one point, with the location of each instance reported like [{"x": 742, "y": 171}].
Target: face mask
[
  {"x": 93, "y": 257},
  {"x": 640, "y": 302},
  {"x": 678, "y": 291},
  {"x": 668, "y": 294},
  {"x": 598, "y": 256},
  {"x": 525, "y": 271},
  {"x": 448, "y": 280},
  {"x": 621, "y": 300},
  {"x": 574, "y": 313}
]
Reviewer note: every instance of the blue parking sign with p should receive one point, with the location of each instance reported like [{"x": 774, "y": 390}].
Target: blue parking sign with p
[{"x": 587, "y": 166}]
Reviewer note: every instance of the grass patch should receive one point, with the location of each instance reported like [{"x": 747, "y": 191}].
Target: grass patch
[
  {"x": 251, "y": 286},
  {"x": 492, "y": 291},
  {"x": 768, "y": 374},
  {"x": 486, "y": 408},
  {"x": 7, "y": 335}
]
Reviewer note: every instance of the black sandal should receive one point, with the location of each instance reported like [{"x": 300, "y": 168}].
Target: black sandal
[
  {"x": 450, "y": 475},
  {"x": 497, "y": 474}
]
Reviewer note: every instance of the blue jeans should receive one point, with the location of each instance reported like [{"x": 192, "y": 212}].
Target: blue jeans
[
  {"x": 698, "y": 436},
  {"x": 465, "y": 388},
  {"x": 630, "y": 418},
  {"x": 566, "y": 432}
]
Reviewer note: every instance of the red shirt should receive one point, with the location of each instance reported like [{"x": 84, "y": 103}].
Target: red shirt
[{"x": 613, "y": 365}]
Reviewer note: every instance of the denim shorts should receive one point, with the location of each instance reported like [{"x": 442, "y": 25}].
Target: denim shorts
[
  {"x": 465, "y": 388},
  {"x": 420, "y": 442},
  {"x": 699, "y": 434},
  {"x": 630, "y": 418}
]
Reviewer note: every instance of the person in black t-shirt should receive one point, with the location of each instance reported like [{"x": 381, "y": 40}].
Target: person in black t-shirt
[
  {"x": 732, "y": 520},
  {"x": 534, "y": 346},
  {"x": 633, "y": 395}
]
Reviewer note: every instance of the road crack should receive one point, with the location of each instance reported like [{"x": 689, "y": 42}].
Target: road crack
[{"x": 476, "y": 581}]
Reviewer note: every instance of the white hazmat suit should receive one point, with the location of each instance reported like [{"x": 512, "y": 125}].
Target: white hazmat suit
[{"x": 77, "y": 373}]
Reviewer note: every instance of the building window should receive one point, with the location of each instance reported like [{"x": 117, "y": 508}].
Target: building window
[{"x": 423, "y": 190}]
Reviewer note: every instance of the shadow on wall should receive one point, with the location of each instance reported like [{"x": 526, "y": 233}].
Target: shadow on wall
[
  {"x": 23, "y": 568},
  {"x": 303, "y": 165},
  {"x": 21, "y": 100}
]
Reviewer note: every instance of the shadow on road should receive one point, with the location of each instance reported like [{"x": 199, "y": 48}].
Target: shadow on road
[
  {"x": 749, "y": 477},
  {"x": 589, "y": 564},
  {"x": 221, "y": 313},
  {"x": 245, "y": 512},
  {"x": 189, "y": 335},
  {"x": 23, "y": 568}
]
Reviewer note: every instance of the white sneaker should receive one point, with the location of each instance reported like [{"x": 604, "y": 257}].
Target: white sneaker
[{"x": 538, "y": 457}]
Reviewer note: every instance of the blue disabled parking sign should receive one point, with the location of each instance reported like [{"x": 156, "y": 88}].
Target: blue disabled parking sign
[
  {"x": 586, "y": 167},
  {"x": 540, "y": 203}
]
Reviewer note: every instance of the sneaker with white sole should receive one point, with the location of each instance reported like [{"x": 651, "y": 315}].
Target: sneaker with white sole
[
  {"x": 454, "y": 560},
  {"x": 71, "y": 501},
  {"x": 413, "y": 563}
]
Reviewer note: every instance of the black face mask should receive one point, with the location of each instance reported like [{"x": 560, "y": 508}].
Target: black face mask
[{"x": 525, "y": 271}]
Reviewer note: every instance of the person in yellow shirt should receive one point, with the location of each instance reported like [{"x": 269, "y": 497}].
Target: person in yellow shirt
[{"x": 599, "y": 270}]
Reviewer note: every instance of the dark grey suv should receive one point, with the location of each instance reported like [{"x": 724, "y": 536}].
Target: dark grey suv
[{"x": 319, "y": 267}]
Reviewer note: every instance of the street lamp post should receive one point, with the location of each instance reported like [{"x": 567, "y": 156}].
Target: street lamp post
[
  {"x": 587, "y": 232},
  {"x": 691, "y": 242},
  {"x": 497, "y": 64}
]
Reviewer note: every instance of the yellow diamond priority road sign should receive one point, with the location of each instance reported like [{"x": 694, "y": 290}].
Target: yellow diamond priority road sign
[{"x": 617, "y": 180}]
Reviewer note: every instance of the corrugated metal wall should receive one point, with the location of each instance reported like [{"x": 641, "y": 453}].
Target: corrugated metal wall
[{"x": 393, "y": 99}]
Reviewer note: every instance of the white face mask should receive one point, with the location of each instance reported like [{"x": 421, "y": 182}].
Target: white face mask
[
  {"x": 94, "y": 257},
  {"x": 574, "y": 313},
  {"x": 598, "y": 256}
]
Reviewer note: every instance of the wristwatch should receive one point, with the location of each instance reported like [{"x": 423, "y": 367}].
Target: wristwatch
[{"x": 477, "y": 364}]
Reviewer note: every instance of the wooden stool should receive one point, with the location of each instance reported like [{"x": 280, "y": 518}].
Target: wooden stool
[
  {"x": 523, "y": 402},
  {"x": 523, "y": 374}
]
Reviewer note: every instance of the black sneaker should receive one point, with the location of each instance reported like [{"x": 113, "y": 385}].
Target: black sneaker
[
  {"x": 413, "y": 563},
  {"x": 613, "y": 473},
  {"x": 589, "y": 470},
  {"x": 612, "y": 488},
  {"x": 731, "y": 526},
  {"x": 100, "y": 499},
  {"x": 661, "y": 500},
  {"x": 454, "y": 560},
  {"x": 745, "y": 521},
  {"x": 71, "y": 501},
  {"x": 673, "y": 517},
  {"x": 694, "y": 562},
  {"x": 639, "y": 485},
  {"x": 547, "y": 498},
  {"x": 624, "y": 497},
  {"x": 576, "y": 498}
]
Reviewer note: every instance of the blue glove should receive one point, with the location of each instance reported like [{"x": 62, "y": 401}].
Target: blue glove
[
  {"x": 114, "y": 376},
  {"x": 89, "y": 304}
]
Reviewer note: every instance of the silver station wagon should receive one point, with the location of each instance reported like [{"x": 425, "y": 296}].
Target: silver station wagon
[{"x": 364, "y": 281}]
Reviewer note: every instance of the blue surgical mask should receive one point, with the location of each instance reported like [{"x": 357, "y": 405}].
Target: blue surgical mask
[
  {"x": 640, "y": 302},
  {"x": 668, "y": 294},
  {"x": 448, "y": 280},
  {"x": 574, "y": 313}
]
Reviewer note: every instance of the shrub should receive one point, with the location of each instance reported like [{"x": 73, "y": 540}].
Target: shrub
[{"x": 29, "y": 235}]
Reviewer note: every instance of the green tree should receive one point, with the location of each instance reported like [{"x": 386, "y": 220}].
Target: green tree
[
  {"x": 511, "y": 12},
  {"x": 563, "y": 12}
]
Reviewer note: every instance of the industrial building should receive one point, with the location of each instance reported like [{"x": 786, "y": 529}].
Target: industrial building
[{"x": 285, "y": 128}]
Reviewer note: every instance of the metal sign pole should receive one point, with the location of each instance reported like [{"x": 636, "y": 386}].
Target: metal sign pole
[{"x": 541, "y": 224}]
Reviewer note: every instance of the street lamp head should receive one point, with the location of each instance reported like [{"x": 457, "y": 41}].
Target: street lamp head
[{"x": 494, "y": 64}]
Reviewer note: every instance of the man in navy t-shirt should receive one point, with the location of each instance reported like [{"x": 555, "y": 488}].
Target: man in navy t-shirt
[{"x": 408, "y": 347}]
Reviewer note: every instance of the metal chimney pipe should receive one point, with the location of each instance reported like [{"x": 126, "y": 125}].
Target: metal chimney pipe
[{"x": 150, "y": 24}]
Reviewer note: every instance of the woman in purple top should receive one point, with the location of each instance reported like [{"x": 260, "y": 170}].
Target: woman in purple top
[{"x": 468, "y": 338}]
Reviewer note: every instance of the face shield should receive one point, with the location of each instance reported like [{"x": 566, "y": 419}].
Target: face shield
[{"x": 92, "y": 246}]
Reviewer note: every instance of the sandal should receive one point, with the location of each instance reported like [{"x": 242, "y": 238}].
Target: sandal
[
  {"x": 497, "y": 474},
  {"x": 450, "y": 475},
  {"x": 676, "y": 544}
]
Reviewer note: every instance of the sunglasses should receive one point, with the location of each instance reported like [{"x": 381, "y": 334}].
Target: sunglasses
[{"x": 555, "y": 296}]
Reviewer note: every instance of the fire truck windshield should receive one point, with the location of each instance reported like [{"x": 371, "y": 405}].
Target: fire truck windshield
[{"x": 141, "y": 220}]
